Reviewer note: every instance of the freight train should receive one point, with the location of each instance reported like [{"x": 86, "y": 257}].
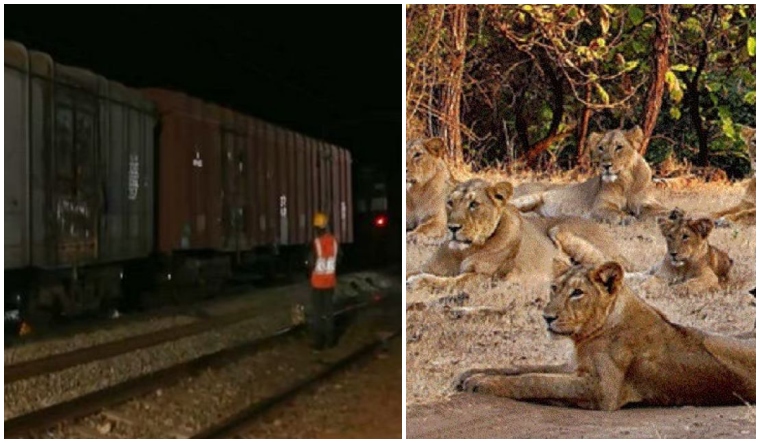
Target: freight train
[{"x": 111, "y": 191}]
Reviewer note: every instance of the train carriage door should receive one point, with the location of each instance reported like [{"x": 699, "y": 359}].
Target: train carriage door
[
  {"x": 234, "y": 172},
  {"x": 17, "y": 147},
  {"x": 194, "y": 233},
  {"x": 313, "y": 167},
  {"x": 335, "y": 191},
  {"x": 344, "y": 220},
  {"x": 258, "y": 162},
  {"x": 293, "y": 208},
  {"x": 349, "y": 198},
  {"x": 281, "y": 183},
  {"x": 270, "y": 185},
  {"x": 324, "y": 182},
  {"x": 75, "y": 176},
  {"x": 301, "y": 190}
]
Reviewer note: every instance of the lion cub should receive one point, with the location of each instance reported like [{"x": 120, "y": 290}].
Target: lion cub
[
  {"x": 691, "y": 260},
  {"x": 626, "y": 352}
]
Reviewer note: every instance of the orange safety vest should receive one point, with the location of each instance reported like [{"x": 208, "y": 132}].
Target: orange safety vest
[{"x": 323, "y": 275}]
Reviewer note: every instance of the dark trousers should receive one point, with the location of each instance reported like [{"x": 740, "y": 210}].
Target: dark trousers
[{"x": 321, "y": 322}]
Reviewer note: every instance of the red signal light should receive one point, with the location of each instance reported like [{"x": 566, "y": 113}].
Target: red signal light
[{"x": 381, "y": 221}]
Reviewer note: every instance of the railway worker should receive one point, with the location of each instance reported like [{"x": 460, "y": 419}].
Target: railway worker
[{"x": 325, "y": 254}]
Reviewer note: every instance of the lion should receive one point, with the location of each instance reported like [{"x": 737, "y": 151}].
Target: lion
[
  {"x": 745, "y": 209},
  {"x": 626, "y": 352},
  {"x": 489, "y": 236},
  {"x": 619, "y": 194},
  {"x": 691, "y": 261},
  {"x": 429, "y": 181}
]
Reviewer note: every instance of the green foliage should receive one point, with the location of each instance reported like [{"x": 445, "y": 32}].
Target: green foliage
[
  {"x": 602, "y": 55},
  {"x": 636, "y": 15}
]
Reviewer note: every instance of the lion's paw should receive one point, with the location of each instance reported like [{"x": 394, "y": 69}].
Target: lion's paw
[
  {"x": 553, "y": 235},
  {"x": 473, "y": 381},
  {"x": 414, "y": 281}
]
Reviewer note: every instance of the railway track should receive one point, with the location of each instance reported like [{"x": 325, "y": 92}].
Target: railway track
[
  {"x": 68, "y": 327},
  {"x": 94, "y": 402},
  {"x": 198, "y": 309},
  {"x": 59, "y": 362},
  {"x": 233, "y": 425}
]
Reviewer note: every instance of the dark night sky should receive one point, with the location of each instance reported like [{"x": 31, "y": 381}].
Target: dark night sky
[{"x": 332, "y": 72}]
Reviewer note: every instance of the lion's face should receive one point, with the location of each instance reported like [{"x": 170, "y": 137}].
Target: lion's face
[
  {"x": 614, "y": 151},
  {"x": 473, "y": 211},
  {"x": 686, "y": 238},
  {"x": 424, "y": 158},
  {"x": 581, "y": 297}
]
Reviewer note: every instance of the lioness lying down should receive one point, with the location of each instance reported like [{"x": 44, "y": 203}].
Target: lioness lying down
[
  {"x": 745, "y": 209},
  {"x": 489, "y": 236},
  {"x": 620, "y": 193},
  {"x": 626, "y": 352},
  {"x": 691, "y": 261},
  {"x": 429, "y": 182}
]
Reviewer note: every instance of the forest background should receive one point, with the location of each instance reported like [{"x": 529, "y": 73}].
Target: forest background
[{"x": 510, "y": 86}]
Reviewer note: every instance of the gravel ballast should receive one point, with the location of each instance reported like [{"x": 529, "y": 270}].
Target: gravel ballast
[{"x": 197, "y": 402}]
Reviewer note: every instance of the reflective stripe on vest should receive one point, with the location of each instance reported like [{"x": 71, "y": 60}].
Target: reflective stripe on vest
[{"x": 323, "y": 275}]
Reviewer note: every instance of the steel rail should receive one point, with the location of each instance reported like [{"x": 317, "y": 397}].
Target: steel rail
[
  {"x": 95, "y": 401},
  {"x": 232, "y": 425}
]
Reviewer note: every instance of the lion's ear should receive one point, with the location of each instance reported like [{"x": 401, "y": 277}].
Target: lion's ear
[
  {"x": 500, "y": 192},
  {"x": 702, "y": 227},
  {"x": 559, "y": 266},
  {"x": 610, "y": 275},
  {"x": 676, "y": 214},
  {"x": 435, "y": 146},
  {"x": 664, "y": 224},
  {"x": 594, "y": 138},
  {"x": 635, "y": 136}
]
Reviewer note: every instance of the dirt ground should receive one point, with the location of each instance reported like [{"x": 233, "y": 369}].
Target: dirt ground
[
  {"x": 364, "y": 401},
  {"x": 480, "y": 416},
  {"x": 442, "y": 344}
]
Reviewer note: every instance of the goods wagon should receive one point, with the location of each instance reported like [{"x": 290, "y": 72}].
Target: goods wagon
[
  {"x": 78, "y": 182},
  {"x": 111, "y": 192},
  {"x": 241, "y": 187}
]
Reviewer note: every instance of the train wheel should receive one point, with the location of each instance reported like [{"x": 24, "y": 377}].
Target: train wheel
[{"x": 41, "y": 311}]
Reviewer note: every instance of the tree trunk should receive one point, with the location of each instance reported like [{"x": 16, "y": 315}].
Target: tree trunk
[
  {"x": 451, "y": 102},
  {"x": 657, "y": 87},
  {"x": 534, "y": 150},
  {"x": 692, "y": 99},
  {"x": 582, "y": 158}
]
